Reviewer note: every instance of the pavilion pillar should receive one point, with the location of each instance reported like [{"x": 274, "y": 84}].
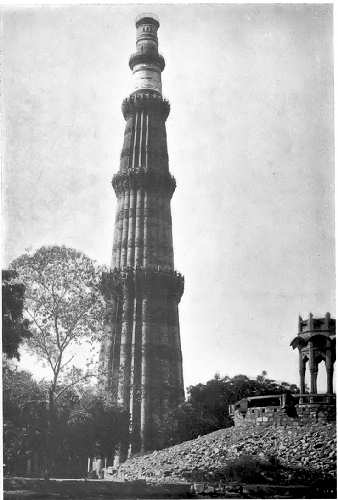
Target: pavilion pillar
[
  {"x": 329, "y": 371},
  {"x": 313, "y": 370},
  {"x": 302, "y": 368}
]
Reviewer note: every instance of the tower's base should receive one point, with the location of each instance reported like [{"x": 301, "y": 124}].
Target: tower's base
[{"x": 141, "y": 360}]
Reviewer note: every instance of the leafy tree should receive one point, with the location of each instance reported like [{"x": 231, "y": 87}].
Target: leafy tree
[
  {"x": 96, "y": 426},
  {"x": 14, "y": 328},
  {"x": 65, "y": 308},
  {"x": 84, "y": 425},
  {"x": 64, "y": 304},
  {"x": 261, "y": 378},
  {"x": 188, "y": 422},
  {"x": 24, "y": 418},
  {"x": 207, "y": 405}
]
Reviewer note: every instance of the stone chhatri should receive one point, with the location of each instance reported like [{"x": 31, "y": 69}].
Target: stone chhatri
[{"x": 316, "y": 342}]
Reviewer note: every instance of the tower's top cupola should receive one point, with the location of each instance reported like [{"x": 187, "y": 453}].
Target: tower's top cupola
[
  {"x": 146, "y": 63},
  {"x": 146, "y": 33}
]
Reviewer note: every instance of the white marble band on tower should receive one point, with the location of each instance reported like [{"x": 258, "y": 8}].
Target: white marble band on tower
[{"x": 147, "y": 64}]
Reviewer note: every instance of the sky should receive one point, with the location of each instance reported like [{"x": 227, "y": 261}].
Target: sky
[{"x": 250, "y": 141}]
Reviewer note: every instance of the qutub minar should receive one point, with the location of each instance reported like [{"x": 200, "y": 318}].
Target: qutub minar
[{"x": 140, "y": 359}]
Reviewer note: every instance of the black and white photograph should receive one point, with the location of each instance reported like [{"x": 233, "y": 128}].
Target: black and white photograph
[{"x": 168, "y": 251}]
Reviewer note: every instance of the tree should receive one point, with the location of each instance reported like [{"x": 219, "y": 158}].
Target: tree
[
  {"x": 96, "y": 426},
  {"x": 62, "y": 301},
  {"x": 207, "y": 405},
  {"x": 84, "y": 425},
  {"x": 24, "y": 418},
  {"x": 261, "y": 378},
  {"x": 14, "y": 328},
  {"x": 65, "y": 308}
]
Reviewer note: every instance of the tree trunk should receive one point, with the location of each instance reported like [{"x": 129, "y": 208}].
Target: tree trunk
[{"x": 50, "y": 449}]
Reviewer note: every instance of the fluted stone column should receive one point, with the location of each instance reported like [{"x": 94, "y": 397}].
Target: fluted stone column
[{"x": 141, "y": 359}]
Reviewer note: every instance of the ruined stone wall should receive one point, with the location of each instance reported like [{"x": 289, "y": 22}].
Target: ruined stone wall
[
  {"x": 310, "y": 414},
  {"x": 277, "y": 416},
  {"x": 270, "y": 415}
]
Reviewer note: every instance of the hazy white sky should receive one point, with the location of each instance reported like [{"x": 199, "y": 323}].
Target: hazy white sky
[{"x": 250, "y": 139}]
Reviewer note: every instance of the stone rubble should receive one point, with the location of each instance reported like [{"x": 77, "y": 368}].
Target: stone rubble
[{"x": 303, "y": 447}]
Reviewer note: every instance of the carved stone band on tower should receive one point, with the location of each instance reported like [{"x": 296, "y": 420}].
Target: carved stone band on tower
[{"x": 140, "y": 359}]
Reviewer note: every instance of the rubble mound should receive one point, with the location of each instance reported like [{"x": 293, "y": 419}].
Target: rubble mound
[{"x": 294, "y": 453}]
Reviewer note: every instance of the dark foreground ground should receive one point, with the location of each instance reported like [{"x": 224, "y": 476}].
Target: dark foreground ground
[
  {"x": 62, "y": 489},
  {"x": 283, "y": 462}
]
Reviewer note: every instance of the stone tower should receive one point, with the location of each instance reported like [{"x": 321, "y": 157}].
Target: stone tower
[{"x": 140, "y": 359}]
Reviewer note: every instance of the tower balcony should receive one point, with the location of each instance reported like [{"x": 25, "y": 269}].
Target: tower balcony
[
  {"x": 145, "y": 100},
  {"x": 150, "y": 280},
  {"x": 148, "y": 180},
  {"x": 148, "y": 57}
]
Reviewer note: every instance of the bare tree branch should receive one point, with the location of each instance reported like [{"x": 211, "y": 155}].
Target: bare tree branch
[
  {"x": 67, "y": 362},
  {"x": 64, "y": 389},
  {"x": 43, "y": 343}
]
